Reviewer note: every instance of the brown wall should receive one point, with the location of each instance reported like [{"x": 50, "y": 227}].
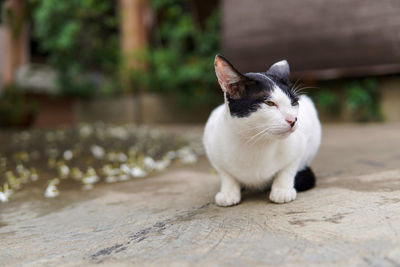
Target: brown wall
[{"x": 322, "y": 37}]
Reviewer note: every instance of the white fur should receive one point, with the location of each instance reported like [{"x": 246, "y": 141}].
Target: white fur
[{"x": 252, "y": 151}]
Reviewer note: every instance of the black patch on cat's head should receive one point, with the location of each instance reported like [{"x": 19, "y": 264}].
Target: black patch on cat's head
[
  {"x": 257, "y": 90},
  {"x": 246, "y": 93}
]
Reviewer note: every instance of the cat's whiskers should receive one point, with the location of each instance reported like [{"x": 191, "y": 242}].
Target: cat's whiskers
[
  {"x": 295, "y": 84},
  {"x": 266, "y": 135},
  {"x": 298, "y": 88},
  {"x": 248, "y": 139},
  {"x": 301, "y": 90},
  {"x": 260, "y": 137},
  {"x": 281, "y": 129},
  {"x": 250, "y": 129},
  {"x": 262, "y": 133}
]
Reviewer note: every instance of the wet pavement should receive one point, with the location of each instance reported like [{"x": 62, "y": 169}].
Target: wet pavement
[{"x": 351, "y": 218}]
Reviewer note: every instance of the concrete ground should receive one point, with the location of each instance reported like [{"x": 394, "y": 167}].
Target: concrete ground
[{"x": 351, "y": 218}]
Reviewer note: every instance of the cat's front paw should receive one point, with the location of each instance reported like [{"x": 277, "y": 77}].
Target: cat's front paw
[
  {"x": 282, "y": 195},
  {"x": 226, "y": 199}
]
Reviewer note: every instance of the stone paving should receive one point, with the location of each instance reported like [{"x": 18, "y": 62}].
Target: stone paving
[{"x": 352, "y": 217}]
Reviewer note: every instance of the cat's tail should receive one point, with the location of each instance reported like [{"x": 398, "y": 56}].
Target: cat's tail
[{"x": 304, "y": 180}]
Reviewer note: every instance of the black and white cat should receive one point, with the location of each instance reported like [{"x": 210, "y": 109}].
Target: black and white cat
[{"x": 263, "y": 132}]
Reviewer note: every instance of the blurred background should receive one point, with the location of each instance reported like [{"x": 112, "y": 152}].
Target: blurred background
[
  {"x": 151, "y": 62},
  {"x": 99, "y": 92}
]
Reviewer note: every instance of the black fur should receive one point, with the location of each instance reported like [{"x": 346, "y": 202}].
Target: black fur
[
  {"x": 304, "y": 180},
  {"x": 258, "y": 88},
  {"x": 243, "y": 107}
]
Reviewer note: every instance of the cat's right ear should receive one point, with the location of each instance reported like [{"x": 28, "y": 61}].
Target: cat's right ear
[{"x": 231, "y": 81}]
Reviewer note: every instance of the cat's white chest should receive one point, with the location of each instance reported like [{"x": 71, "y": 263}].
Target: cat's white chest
[{"x": 255, "y": 165}]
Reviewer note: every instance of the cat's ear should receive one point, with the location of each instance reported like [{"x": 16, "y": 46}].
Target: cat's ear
[
  {"x": 231, "y": 81},
  {"x": 280, "y": 69}
]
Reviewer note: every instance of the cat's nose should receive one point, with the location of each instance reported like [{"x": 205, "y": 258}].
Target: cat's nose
[{"x": 291, "y": 121}]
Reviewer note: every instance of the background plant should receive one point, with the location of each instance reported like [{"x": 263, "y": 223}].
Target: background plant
[
  {"x": 15, "y": 109},
  {"x": 363, "y": 99},
  {"x": 359, "y": 98},
  {"x": 180, "y": 56},
  {"x": 80, "y": 38}
]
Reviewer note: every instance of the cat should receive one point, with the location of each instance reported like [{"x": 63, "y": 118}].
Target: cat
[{"x": 264, "y": 132}]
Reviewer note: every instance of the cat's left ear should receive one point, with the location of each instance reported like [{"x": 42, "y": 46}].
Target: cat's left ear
[
  {"x": 231, "y": 81},
  {"x": 280, "y": 69}
]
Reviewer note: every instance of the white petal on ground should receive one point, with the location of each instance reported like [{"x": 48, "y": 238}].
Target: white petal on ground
[
  {"x": 125, "y": 168},
  {"x": 186, "y": 155},
  {"x": 122, "y": 157},
  {"x": 171, "y": 155},
  {"x": 162, "y": 164},
  {"x": 34, "y": 176},
  {"x": 107, "y": 169},
  {"x": 3, "y": 197},
  {"x": 149, "y": 163},
  {"x": 63, "y": 171},
  {"x": 90, "y": 176},
  {"x": 138, "y": 172},
  {"x": 90, "y": 179},
  {"x": 97, "y": 151},
  {"x": 51, "y": 189},
  {"x": 68, "y": 155},
  {"x": 85, "y": 130}
]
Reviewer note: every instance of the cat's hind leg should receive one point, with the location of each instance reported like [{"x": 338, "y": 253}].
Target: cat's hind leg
[
  {"x": 304, "y": 180},
  {"x": 229, "y": 194}
]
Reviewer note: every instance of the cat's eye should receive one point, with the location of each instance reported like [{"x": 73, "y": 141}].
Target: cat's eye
[
  {"x": 270, "y": 103},
  {"x": 295, "y": 103}
]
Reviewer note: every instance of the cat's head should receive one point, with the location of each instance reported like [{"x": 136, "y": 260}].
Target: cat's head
[{"x": 259, "y": 102}]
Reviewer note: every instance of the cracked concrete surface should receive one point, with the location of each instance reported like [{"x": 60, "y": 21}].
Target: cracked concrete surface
[{"x": 351, "y": 218}]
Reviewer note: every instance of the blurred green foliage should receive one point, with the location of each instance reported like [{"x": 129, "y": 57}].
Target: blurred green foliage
[
  {"x": 328, "y": 99},
  {"x": 15, "y": 109},
  {"x": 359, "y": 98},
  {"x": 363, "y": 99},
  {"x": 81, "y": 40},
  {"x": 180, "y": 57}
]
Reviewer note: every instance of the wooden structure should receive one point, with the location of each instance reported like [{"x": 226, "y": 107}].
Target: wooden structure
[
  {"x": 15, "y": 39},
  {"x": 134, "y": 14},
  {"x": 320, "y": 38},
  {"x": 134, "y": 35}
]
